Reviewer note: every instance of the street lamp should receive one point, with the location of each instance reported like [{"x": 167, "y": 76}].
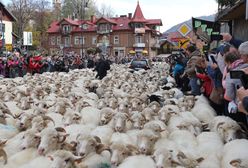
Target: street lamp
[{"x": 84, "y": 6}]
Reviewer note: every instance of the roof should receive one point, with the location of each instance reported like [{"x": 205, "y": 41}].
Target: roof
[
  {"x": 118, "y": 23},
  {"x": 236, "y": 11},
  {"x": 12, "y": 17},
  {"x": 54, "y": 27},
  {"x": 138, "y": 16},
  {"x": 106, "y": 20},
  {"x": 154, "y": 22},
  {"x": 70, "y": 21}
]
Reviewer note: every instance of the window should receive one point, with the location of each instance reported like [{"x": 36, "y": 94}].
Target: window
[
  {"x": 93, "y": 40},
  {"x": 66, "y": 29},
  {"x": 67, "y": 41},
  {"x": 116, "y": 39},
  {"x": 53, "y": 40},
  {"x": 2, "y": 27},
  {"x": 103, "y": 27},
  {"x": 78, "y": 40},
  {"x": 58, "y": 40},
  {"x": 138, "y": 39},
  {"x": 85, "y": 26}
]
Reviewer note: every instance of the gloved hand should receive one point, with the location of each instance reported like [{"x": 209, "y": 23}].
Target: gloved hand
[{"x": 232, "y": 107}]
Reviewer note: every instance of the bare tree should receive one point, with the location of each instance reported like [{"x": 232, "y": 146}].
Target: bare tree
[
  {"x": 23, "y": 10},
  {"x": 105, "y": 11}
]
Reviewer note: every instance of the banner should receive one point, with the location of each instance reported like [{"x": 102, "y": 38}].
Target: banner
[{"x": 206, "y": 30}]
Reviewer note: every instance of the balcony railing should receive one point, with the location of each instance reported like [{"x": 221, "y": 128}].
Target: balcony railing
[
  {"x": 139, "y": 45},
  {"x": 65, "y": 32},
  {"x": 104, "y": 31}
]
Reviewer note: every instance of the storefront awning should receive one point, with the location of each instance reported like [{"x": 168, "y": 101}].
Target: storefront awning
[
  {"x": 144, "y": 52},
  {"x": 132, "y": 52}
]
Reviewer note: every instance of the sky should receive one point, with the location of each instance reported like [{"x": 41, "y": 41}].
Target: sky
[{"x": 171, "y": 12}]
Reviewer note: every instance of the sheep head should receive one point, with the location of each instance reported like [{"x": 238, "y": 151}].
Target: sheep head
[
  {"x": 146, "y": 140},
  {"x": 106, "y": 115},
  {"x": 64, "y": 159},
  {"x": 119, "y": 122},
  {"x": 71, "y": 118},
  {"x": 120, "y": 152},
  {"x": 29, "y": 140},
  {"x": 138, "y": 120},
  {"x": 86, "y": 145},
  {"x": 51, "y": 139}
]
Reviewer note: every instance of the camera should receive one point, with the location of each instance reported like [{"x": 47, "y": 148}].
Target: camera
[{"x": 238, "y": 74}]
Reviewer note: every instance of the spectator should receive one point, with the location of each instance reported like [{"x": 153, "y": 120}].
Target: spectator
[
  {"x": 193, "y": 55},
  {"x": 233, "y": 62},
  {"x": 231, "y": 40},
  {"x": 2, "y": 67},
  {"x": 207, "y": 85}
]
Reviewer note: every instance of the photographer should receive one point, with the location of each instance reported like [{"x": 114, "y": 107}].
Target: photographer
[{"x": 232, "y": 84}]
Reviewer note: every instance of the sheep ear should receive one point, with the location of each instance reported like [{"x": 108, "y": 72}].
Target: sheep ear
[
  {"x": 153, "y": 158},
  {"x": 4, "y": 155},
  {"x": 133, "y": 149},
  {"x": 98, "y": 140},
  {"x": 219, "y": 126},
  {"x": 50, "y": 157},
  {"x": 205, "y": 126},
  {"x": 199, "y": 160},
  {"x": 181, "y": 155},
  {"x": 60, "y": 129},
  {"x": 235, "y": 163},
  {"x": 2, "y": 143},
  {"x": 78, "y": 160}
]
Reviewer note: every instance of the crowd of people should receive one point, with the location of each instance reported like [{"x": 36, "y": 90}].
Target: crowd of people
[
  {"x": 17, "y": 65},
  {"x": 221, "y": 74}
]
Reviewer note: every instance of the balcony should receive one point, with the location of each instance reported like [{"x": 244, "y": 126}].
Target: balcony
[
  {"x": 139, "y": 45},
  {"x": 104, "y": 31},
  {"x": 66, "y": 33}
]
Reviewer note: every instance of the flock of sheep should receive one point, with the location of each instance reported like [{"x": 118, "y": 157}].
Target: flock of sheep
[{"x": 126, "y": 120}]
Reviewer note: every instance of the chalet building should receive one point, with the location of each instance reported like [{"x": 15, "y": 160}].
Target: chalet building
[
  {"x": 116, "y": 36},
  {"x": 233, "y": 19},
  {"x": 6, "y": 28}
]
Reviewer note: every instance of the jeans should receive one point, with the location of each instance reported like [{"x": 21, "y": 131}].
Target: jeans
[{"x": 195, "y": 86}]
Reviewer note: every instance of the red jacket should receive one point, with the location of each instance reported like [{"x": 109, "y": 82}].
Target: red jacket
[{"x": 207, "y": 83}]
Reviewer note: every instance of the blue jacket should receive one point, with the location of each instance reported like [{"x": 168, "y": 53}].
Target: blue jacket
[{"x": 178, "y": 69}]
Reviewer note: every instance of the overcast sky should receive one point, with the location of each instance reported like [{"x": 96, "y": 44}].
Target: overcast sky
[{"x": 171, "y": 12}]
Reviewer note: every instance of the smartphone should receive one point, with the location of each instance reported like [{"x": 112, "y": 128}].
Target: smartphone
[
  {"x": 238, "y": 74},
  {"x": 213, "y": 59},
  {"x": 244, "y": 80}
]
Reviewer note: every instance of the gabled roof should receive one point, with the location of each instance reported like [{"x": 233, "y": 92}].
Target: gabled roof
[
  {"x": 11, "y": 16},
  {"x": 70, "y": 21},
  {"x": 105, "y": 20},
  {"x": 138, "y": 16},
  {"x": 54, "y": 27}
]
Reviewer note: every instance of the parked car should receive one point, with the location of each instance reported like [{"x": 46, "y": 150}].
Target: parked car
[{"x": 139, "y": 64}]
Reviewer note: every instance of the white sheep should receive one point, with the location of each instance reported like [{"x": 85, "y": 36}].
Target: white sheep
[
  {"x": 226, "y": 127},
  {"x": 138, "y": 161},
  {"x": 235, "y": 154}
]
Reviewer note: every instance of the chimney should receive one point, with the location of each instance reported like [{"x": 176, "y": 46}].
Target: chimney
[
  {"x": 93, "y": 18},
  {"x": 130, "y": 15}
]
